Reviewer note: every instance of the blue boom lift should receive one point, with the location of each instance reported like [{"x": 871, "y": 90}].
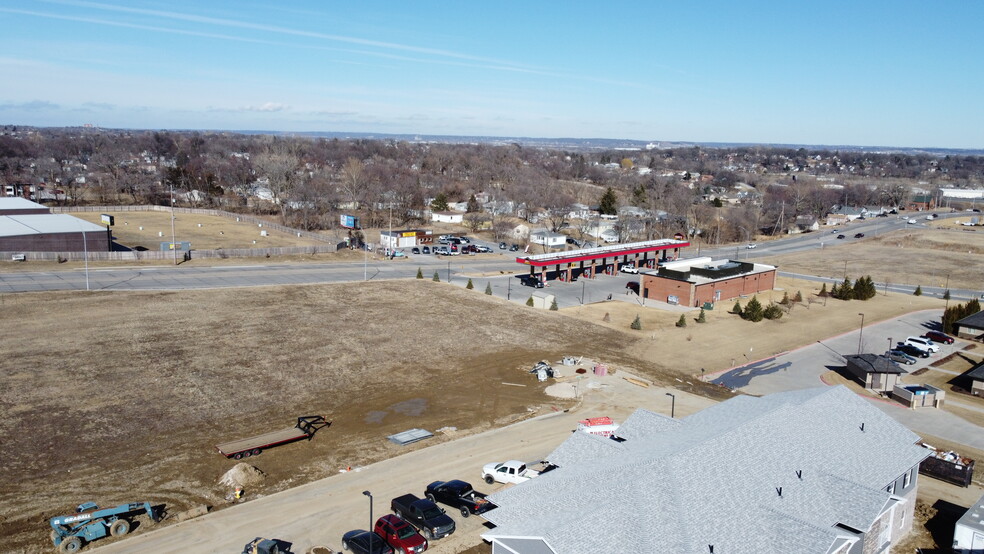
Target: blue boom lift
[{"x": 89, "y": 523}]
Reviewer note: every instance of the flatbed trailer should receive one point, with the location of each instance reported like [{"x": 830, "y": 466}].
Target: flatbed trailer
[{"x": 306, "y": 427}]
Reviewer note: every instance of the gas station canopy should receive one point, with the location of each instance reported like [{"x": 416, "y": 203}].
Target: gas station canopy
[{"x": 600, "y": 252}]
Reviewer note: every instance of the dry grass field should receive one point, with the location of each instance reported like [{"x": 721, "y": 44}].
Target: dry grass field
[{"x": 917, "y": 257}]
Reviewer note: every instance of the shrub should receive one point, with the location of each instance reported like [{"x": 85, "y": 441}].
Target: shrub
[
  {"x": 737, "y": 309},
  {"x": 798, "y": 297},
  {"x": 918, "y": 291},
  {"x": 823, "y": 290},
  {"x": 772, "y": 312},
  {"x": 420, "y": 274},
  {"x": 553, "y": 305},
  {"x": 488, "y": 288},
  {"x": 529, "y": 301},
  {"x": 636, "y": 324},
  {"x": 946, "y": 294},
  {"x": 469, "y": 286},
  {"x": 785, "y": 299},
  {"x": 701, "y": 318},
  {"x": 682, "y": 322},
  {"x": 753, "y": 310},
  {"x": 437, "y": 278}
]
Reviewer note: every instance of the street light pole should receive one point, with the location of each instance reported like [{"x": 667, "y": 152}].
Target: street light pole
[
  {"x": 371, "y": 533},
  {"x": 672, "y": 405},
  {"x": 85, "y": 254},
  {"x": 860, "y": 333},
  {"x": 174, "y": 247},
  {"x": 889, "y": 343}
]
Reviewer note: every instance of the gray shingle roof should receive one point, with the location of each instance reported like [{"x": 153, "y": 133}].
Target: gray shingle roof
[
  {"x": 973, "y": 320},
  {"x": 874, "y": 363},
  {"x": 712, "y": 478},
  {"x": 977, "y": 373}
]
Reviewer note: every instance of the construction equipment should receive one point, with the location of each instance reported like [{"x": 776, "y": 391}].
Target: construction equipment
[
  {"x": 89, "y": 522},
  {"x": 306, "y": 427}
]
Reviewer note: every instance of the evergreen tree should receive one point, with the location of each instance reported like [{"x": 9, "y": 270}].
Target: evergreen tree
[
  {"x": 701, "y": 318},
  {"x": 846, "y": 290},
  {"x": 682, "y": 322},
  {"x": 529, "y": 301},
  {"x": 834, "y": 291},
  {"x": 420, "y": 274},
  {"x": 436, "y": 278},
  {"x": 772, "y": 312},
  {"x": 553, "y": 305},
  {"x": 823, "y": 290},
  {"x": 636, "y": 324},
  {"x": 753, "y": 310},
  {"x": 946, "y": 294},
  {"x": 440, "y": 203},
  {"x": 918, "y": 291},
  {"x": 737, "y": 309},
  {"x": 488, "y": 288},
  {"x": 469, "y": 286},
  {"x": 608, "y": 205},
  {"x": 798, "y": 297},
  {"x": 785, "y": 299},
  {"x": 473, "y": 206}
]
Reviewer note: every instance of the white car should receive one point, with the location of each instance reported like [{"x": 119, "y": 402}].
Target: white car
[
  {"x": 628, "y": 268},
  {"x": 751, "y": 246},
  {"x": 924, "y": 344}
]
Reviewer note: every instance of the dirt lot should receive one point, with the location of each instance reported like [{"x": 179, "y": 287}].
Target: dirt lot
[
  {"x": 916, "y": 257},
  {"x": 121, "y": 397}
]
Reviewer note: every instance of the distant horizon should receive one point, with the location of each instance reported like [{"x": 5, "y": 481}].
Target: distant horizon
[
  {"x": 756, "y": 72},
  {"x": 570, "y": 142}
]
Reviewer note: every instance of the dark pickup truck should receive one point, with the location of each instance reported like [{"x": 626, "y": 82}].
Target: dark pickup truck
[
  {"x": 424, "y": 515},
  {"x": 460, "y": 495}
]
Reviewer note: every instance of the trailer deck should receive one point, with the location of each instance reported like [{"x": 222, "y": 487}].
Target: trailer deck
[{"x": 252, "y": 446}]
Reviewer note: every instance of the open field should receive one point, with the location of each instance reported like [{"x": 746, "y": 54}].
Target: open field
[
  {"x": 204, "y": 232},
  {"x": 916, "y": 257}
]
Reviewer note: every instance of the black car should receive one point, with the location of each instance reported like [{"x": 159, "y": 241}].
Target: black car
[
  {"x": 840, "y": 236},
  {"x": 859, "y": 235},
  {"x": 415, "y": 250},
  {"x": 502, "y": 246},
  {"x": 358, "y": 541},
  {"x": 912, "y": 350},
  {"x": 514, "y": 248},
  {"x": 426, "y": 250},
  {"x": 458, "y": 494},
  {"x": 531, "y": 281}
]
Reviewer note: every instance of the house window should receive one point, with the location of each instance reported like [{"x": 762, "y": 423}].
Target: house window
[
  {"x": 891, "y": 488},
  {"x": 906, "y": 479}
]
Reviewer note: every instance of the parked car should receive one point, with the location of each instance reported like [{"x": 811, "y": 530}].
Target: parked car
[
  {"x": 924, "y": 343},
  {"x": 400, "y": 535},
  {"x": 514, "y": 248},
  {"x": 531, "y": 281},
  {"x": 365, "y": 542},
  {"x": 574, "y": 241},
  {"x": 629, "y": 268},
  {"x": 398, "y": 254},
  {"x": 442, "y": 251},
  {"x": 512, "y": 471},
  {"x": 432, "y": 521},
  {"x": 415, "y": 250},
  {"x": 482, "y": 249},
  {"x": 859, "y": 235},
  {"x": 913, "y": 351},
  {"x": 937, "y": 336},
  {"x": 900, "y": 357},
  {"x": 502, "y": 246},
  {"x": 458, "y": 494},
  {"x": 426, "y": 250}
]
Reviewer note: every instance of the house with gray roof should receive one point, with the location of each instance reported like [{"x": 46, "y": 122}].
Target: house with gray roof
[
  {"x": 971, "y": 327},
  {"x": 873, "y": 371},
  {"x": 976, "y": 377},
  {"x": 808, "y": 471}
]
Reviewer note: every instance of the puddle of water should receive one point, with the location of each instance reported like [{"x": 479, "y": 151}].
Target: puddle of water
[
  {"x": 412, "y": 407},
  {"x": 375, "y": 416}
]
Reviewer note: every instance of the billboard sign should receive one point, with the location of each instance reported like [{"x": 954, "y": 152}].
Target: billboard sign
[
  {"x": 349, "y": 221},
  {"x": 107, "y": 219}
]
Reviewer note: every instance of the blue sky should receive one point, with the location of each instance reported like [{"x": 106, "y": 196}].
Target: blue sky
[{"x": 874, "y": 73}]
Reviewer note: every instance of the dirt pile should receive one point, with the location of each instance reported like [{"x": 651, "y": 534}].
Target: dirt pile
[{"x": 241, "y": 475}]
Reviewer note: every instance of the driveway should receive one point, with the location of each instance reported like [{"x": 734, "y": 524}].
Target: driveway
[{"x": 803, "y": 367}]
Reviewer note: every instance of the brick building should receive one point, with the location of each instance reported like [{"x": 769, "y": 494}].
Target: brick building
[{"x": 694, "y": 281}]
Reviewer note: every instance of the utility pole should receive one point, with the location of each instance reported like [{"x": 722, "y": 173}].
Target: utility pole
[{"x": 174, "y": 247}]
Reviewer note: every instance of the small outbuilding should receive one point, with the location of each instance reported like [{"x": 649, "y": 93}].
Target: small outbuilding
[
  {"x": 549, "y": 239},
  {"x": 968, "y": 533},
  {"x": 976, "y": 377},
  {"x": 873, "y": 371}
]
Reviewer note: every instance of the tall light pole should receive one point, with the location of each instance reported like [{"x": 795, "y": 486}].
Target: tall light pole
[
  {"x": 371, "y": 533},
  {"x": 889, "y": 343},
  {"x": 672, "y": 405},
  {"x": 85, "y": 254},
  {"x": 860, "y": 333},
  {"x": 174, "y": 247}
]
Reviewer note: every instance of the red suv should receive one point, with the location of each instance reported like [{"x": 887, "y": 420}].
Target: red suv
[
  {"x": 937, "y": 336},
  {"x": 399, "y": 534}
]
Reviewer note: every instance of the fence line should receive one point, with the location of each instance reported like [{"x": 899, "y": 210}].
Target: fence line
[
  {"x": 198, "y": 211},
  {"x": 134, "y": 255}
]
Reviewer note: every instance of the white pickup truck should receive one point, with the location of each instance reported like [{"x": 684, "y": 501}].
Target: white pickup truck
[{"x": 513, "y": 471}]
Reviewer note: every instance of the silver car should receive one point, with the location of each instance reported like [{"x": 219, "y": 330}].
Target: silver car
[{"x": 900, "y": 357}]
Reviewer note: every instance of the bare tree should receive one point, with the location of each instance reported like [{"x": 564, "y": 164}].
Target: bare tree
[{"x": 280, "y": 165}]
